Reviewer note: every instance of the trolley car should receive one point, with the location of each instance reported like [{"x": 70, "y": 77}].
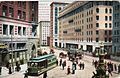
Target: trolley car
[{"x": 41, "y": 64}]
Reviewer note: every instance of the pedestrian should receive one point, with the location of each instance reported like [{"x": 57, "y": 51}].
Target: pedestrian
[
  {"x": 60, "y": 63},
  {"x": 68, "y": 70},
  {"x": 0, "y": 69},
  {"x": 73, "y": 68},
  {"x": 10, "y": 70},
  {"x": 115, "y": 67},
  {"x": 93, "y": 62},
  {"x": 63, "y": 64},
  {"x": 96, "y": 63},
  {"x": 80, "y": 65},
  {"x": 109, "y": 71},
  {"x": 83, "y": 65},
  {"x": 57, "y": 62},
  {"x": 118, "y": 68},
  {"x": 45, "y": 75},
  {"x": 26, "y": 74}
]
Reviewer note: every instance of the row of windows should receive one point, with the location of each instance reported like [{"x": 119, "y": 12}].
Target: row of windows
[
  {"x": 106, "y": 18},
  {"x": 116, "y": 24},
  {"x": 90, "y": 19},
  {"x": 90, "y": 12},
  {"x": 89, "y": 32},
  {"x": 116, "y": 32},
  {"x": 117, "y": 16},
  {"x": 87, "y": 6},
  {"x": 97, "y": 39},
  {"x": 107, "y": 32},
  {"x": 116, "y": 40},
  {"x": 106, "y": 10},
  {"x": 89, "y": 26},
  {"x": 89, "y": 39},
  {"x": 11, "y": 29},
  {"x": 21, "y": 14},
  {"x": 106, "y": 25},
  {"x": 108, "y": 39},
  {"x": 117, "y": 7}
]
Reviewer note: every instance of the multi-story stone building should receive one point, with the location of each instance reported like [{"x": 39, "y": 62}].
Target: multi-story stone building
[
  {"x": 86, "y": 24},
  {"x": 18, "y": 30},
  {"x": 55, "y": 8},
  {"x": 116, "y": 28},
  {"x": 44, "y": 32},
  {"x": 44, "y": 11}
]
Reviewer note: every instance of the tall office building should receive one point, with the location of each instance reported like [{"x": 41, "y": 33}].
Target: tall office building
[
  {"x": 55, "y": 8},
  {"x": 44, "y": 32},
  {"x": 17, "y": 29},
  {"x": 116, "y": 29},
  {"x": 86, "y": 25},
  {"x": 44, "y": 11}
]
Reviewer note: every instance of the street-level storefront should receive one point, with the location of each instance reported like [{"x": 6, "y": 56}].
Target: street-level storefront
[
  {"x": 4, "y": 57},
  {"x": 70, "y": 45}
]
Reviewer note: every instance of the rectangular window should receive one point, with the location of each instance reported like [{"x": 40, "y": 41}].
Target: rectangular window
[
  {"x": 110, "y": 18},
  {"x": 110, "y": 25},
  {"x": 110, "y": 32},
  {"x": 4, "y": 10},
  {"x": 105, "y": 32},
  {"x": 97, "y": 24},
  {"x": 24, "y": 15},
  {"x": 5, "y": 29},
  {"x": 24, "y": 5},
  {"x": 97, "y": 39},
  {"x": 11, "y": 29},
  {"x": 24, "y": 30},
  {"x": 110, "y": 39},
  {"x": 11, "y": 11},
  {"x": 97, "y": 32},
  {"x": 97, "y": 17},
  {"x": 105, "y": 39},
  {"x": 19, "y": 14},
  {"x": 105, "y": 25},
  {"x": 19, "y": 30},
  {"x": 106, "y": 18},
  {"x": 19, "y": 3}
]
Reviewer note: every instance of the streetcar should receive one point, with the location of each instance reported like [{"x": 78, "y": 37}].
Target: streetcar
[
  {"x": 41, "y": 64},
  {"x": 97, "y": 51},
  {"x": 73, "y": 53}
]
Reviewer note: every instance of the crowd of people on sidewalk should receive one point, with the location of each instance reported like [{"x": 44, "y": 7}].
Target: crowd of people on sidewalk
[
  {"x": 109, "y": 66},
  {"x": 63, "y": 64}
]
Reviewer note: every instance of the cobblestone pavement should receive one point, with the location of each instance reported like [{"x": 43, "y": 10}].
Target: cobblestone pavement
[{"x": 58, "y": 72}]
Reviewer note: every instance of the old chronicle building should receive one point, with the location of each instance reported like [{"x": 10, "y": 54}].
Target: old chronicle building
[
  {"x": 86, "y": 24},
  {"x": 55, "y": 8},
  {"x": 18, "y": 30}
]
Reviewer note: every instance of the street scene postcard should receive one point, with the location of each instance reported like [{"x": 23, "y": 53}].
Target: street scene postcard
[{"x": 60, "y": 39}]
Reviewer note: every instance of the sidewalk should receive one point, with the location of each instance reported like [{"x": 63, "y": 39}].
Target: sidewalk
[{"x": 5, "y": 71}]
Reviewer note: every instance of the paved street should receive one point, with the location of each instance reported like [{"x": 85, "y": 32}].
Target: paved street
[{"x": 59, "y": 73}]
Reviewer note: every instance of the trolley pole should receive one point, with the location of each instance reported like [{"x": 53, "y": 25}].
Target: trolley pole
[{"x": 12, "y": 51}]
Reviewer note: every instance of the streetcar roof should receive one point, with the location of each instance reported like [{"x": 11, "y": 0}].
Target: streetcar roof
[
  {"x": 36, "y": 60},
  {"x": 41, "y": 57}
]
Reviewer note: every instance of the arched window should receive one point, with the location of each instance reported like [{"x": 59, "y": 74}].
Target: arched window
[
  {"x": 56, "y": 8},
  {"x": 59, "y": 8},
  {"x": 106, "y": 10},
  {"x": 110, "y": 10},
  {"x": 97, "y": 10}
]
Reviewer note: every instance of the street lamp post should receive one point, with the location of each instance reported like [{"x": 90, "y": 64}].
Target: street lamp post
[{"x": 12, "y": 52}]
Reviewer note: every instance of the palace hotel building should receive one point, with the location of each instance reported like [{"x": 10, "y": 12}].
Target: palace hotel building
[
  {"x": 85, "y": 25},
  {"x": 18, "y": 25}
]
